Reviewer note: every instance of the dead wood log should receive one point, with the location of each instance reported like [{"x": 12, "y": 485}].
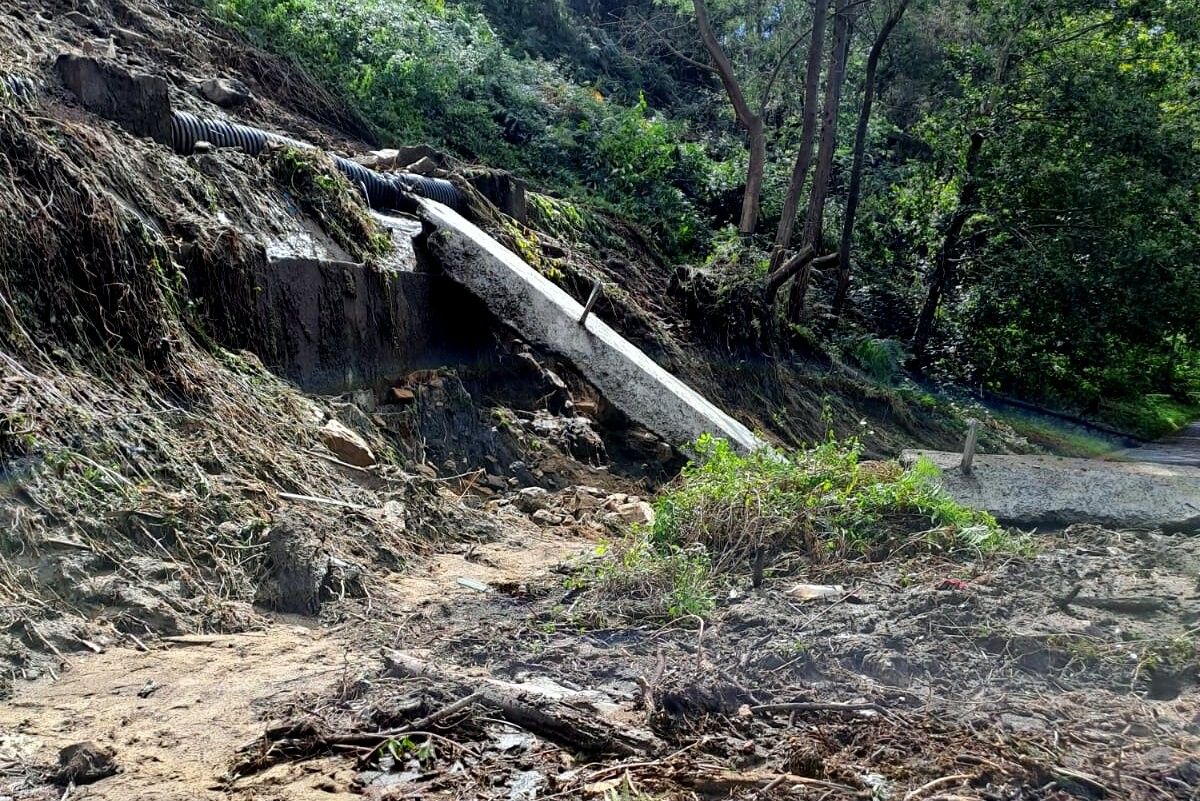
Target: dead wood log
[
  {"x": 568, "y": 719},
  {"x": 735, "y": 783},
  {"x": 803, "y": 259}
]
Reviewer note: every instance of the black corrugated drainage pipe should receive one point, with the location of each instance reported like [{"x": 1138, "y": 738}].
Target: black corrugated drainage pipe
[{"x": 382, "y": 190}]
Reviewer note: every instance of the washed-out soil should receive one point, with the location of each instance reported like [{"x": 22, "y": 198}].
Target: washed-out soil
[{"x": 1068, "y": 673}]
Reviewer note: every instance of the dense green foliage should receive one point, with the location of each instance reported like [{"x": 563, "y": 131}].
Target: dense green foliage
[
  {"x": 729, "y": 515},
  {"x": 424, "y": 72},
  {"x": 1080, "y": 281},
  {"x": 1074, "y": 275}
]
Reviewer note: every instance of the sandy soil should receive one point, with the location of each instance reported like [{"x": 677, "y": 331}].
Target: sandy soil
[{"x": 177, "y": 715}]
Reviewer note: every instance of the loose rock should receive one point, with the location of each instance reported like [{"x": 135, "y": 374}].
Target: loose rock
[
  {"x": 532, "y": 499},
  {"x": 349, "y": 446},
  {"x": 226, "y": 92},
  {"x": 545, "y": 517}
]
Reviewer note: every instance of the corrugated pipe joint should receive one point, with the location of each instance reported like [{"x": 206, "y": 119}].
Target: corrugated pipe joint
[{"x": 382, "y": 190}]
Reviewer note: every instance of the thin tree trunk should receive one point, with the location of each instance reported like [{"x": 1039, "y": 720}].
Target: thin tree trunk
[
  {"x": 814, "y": 220},
  {"x": 812, "y": 82},
  {"x": 748, "y": 119},
  {"x": 754, "y": 176},
  {"x": 860, "y": 148},
  {"x": 948, "y": 254}
]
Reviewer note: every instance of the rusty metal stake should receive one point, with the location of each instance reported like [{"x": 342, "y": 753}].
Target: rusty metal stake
[
  {"x": 969, "y": 447},
  {"x": 591, "y": 301}
]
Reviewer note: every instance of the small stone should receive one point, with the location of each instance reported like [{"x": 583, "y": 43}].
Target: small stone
[
  {"x": 495, "y": 482},
  {"x": 103, "y": 47},
  {"x": 401, "y": 395},
  {"x": 226, "y": 92},
  {"x": 614, "y": 501},
  {"x": 545, "y": 517},
  {"x": 379, "y": 159},
  {"x": 532, "y": 499},
  {"x": 423, "y": 166},
  {"x": 347, "y": 445},
  {"x": 638, "y": 512}
]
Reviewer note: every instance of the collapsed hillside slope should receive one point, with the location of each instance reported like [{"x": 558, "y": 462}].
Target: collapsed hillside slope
[{"x": 162, "y": 484}]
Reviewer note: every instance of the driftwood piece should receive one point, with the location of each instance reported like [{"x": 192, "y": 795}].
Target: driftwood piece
[
  {"x": 569, "y": 719},
  {"x": 736, "y": 783}
]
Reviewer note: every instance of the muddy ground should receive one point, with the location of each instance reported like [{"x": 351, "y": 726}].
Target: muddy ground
[
  {"x": 193, "y": 582},
  {"x": 1071, "y": 672}
]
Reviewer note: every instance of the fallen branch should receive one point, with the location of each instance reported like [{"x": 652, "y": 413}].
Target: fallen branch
[
  {"x": 291, "y": 496},
  {"x": 378, "y": 738},
  {"x": 567, "y": 719},
  {"x": 936, "y": 783},
  {"x": 818, "y": 707},
  {"x": 728, "y": 782}
]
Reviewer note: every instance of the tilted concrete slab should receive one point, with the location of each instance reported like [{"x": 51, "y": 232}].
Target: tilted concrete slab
[
  {"x": 546, "y": 316},
  {"x": 1055, "y": 491}
]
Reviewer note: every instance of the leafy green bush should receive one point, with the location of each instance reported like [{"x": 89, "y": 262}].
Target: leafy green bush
[
  {"x": 730, "y": 514},
  {"x": 419, "y": 70},
  {"x": 882, "y": 359}
]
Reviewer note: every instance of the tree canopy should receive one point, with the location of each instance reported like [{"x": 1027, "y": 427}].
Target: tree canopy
[{"x": 1007, "y": 189}]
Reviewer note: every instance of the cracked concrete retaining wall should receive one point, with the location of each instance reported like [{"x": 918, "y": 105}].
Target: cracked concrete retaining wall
[
  {"x": 1056, "y": 491},
  {"x": 546, "y": 316}
]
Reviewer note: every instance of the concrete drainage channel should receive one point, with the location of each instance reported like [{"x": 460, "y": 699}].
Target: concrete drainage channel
[{"x": 516, "y": 295}]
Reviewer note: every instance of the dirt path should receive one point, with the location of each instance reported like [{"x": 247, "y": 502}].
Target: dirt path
[
  {"x": 174, "y": 716},
  {"x": 177, "y": 715}
]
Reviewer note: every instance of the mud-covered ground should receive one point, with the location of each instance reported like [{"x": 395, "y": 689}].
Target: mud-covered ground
[
  {"x": 1069, "y": 673},
  {"x": 194, "y": 583}
]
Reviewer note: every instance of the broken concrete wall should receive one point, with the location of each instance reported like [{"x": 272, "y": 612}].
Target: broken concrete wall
[
  {"x": 1057, "y": 491},
  {"x": 139, "y": 103},
  {"x": 332, "y": 327},
  {"x": 546, "y": 316}
]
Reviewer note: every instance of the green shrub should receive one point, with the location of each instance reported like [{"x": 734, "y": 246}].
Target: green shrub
[
  {"x": 421, "y": 71},
  {"x": 881, "y": 359},
  {"x": 658, "y": 581},
  {"x": 730, "y": 514}
]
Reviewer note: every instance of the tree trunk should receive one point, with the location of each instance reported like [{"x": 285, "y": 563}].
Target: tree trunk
[
  {"x": 829, "y": 123},
  {"x": 752, "y": 122},
  {"x": 860, "y": 148},
  {"x": 812, "y": 82},
  {"x": 754, "y": 176},
  {"x": 948, "y": 254}
]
